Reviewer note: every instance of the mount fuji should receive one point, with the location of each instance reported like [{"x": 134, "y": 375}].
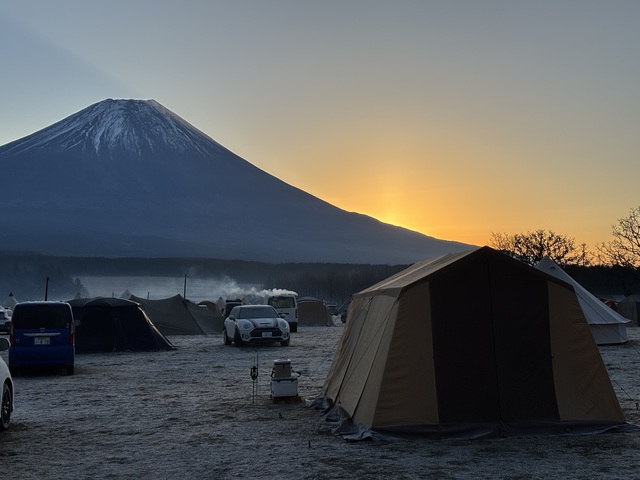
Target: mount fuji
[{"x": 129, "y": 178}]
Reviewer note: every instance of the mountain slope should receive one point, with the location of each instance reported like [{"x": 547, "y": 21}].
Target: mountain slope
[{"x": 131, "y": 178}]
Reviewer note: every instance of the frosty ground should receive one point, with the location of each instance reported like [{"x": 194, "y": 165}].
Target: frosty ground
[{"x": 191, "y": 413}]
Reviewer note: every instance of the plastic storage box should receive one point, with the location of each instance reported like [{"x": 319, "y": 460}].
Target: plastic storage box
[{"x": 282, "y": 383}]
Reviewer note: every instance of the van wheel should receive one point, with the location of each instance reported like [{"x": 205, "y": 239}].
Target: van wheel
[
  {"x": 5, "y": 407},
  {"x": 70, "y": 370},
  {"x": 293, "y": 327}
]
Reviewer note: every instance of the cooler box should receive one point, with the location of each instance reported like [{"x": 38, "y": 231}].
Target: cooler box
[{"x": 284, "y": 387}]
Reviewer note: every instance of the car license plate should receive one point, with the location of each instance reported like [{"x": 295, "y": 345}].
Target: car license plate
[
  {"x": 266, "y": 334},
  {"x": 41, "y": 341}
]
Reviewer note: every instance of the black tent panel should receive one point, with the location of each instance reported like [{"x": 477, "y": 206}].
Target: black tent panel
[
  {"x": 464, "y": 363},
  {"x": 96, "y": 331},
  {"x": 135, "y": 333},
  {"x": 522, "y": 342}
]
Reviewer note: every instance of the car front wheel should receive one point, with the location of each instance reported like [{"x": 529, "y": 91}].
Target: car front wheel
[
  {"x": 225, "y": 337},
  {"x": 285, "y": 343},
  {"x": 237, "y": 340},
  {"x": 5, "y": 407}
]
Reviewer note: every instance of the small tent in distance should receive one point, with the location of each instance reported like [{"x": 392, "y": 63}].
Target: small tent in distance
[
  {"x": 607, "y": 326},
  {"x": 469, "y": 344},
  {"x": 313, "y": 311},
  {"x": 10, "y": 302},
  {"x": 629, "y": 308},
  {"x": 114, "y": 324}
]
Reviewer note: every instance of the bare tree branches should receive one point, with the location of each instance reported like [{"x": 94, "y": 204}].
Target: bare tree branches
[
  {"x": 624, "y": 249},
  {"x": 532, "y": 246}
]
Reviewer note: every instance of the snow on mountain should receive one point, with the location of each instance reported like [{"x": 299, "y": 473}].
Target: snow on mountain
[{"x": 131, "y": 178}]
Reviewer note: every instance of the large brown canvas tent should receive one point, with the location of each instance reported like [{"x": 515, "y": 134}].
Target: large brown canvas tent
[{"x": 473, "y": 344}]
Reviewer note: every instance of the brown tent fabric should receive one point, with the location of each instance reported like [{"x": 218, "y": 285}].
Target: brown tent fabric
[
  {"x": 607, "y": 326},
  {"x": 469, "y": 344}
]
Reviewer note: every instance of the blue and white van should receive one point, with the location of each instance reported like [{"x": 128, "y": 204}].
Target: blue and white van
[{"x": 42, "y": 335}]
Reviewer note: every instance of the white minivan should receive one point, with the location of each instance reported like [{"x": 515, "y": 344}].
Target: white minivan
[{"x": 287, "y": 306}]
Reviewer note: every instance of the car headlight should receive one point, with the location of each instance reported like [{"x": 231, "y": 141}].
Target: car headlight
[
  {"x": 245, "y": 325},
  {"x": 283, "y": 324}
]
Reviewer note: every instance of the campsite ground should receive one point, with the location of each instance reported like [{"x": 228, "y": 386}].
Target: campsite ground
[{"x": 190, "y": 412}]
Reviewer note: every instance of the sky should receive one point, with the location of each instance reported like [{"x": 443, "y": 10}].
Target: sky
[{"x": 459, "y": 119}]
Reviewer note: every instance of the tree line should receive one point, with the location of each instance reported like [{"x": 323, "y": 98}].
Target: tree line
[
  {"x": 612, "y": 266},
  {"x": 618, "y": 259},
  {"x": 35, "y": 276}
]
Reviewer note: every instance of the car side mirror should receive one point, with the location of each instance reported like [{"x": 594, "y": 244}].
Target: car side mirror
[{"x": 232, "y": 317}]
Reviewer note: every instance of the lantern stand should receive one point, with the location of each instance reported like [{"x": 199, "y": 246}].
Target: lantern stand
[{"x": 254, "y": 377}]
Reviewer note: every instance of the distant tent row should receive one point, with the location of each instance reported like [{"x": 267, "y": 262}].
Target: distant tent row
[
  {"x": 469, "y": 344},
  {"x": 607, "y": 326},
  {"x": 114, "y": 324}
]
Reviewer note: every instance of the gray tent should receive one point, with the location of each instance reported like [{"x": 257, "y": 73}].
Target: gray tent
[
  {"x": 629, "y": 308},
  {"x": 313, "y": 311},
  {"x": 177, "y": 316}
]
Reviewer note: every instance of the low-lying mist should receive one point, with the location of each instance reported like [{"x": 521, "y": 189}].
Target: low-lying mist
[{"x": 194, "y": 289}]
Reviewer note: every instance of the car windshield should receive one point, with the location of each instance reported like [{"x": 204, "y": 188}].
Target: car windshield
[
  {"x": 41, "y": 316},
  {"x": 281, "y": 302},
  {"x": 261, "y": 312}
]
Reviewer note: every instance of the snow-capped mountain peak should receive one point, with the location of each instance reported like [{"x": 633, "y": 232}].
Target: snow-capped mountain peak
[
  {"x": 131, "y": 178},
  {"x": 117, "y": 126}
]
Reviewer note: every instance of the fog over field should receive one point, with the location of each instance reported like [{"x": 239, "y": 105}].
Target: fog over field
[{"x": 197, "y": 289}]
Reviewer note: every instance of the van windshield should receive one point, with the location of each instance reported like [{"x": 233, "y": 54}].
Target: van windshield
[
  {"x": 41, "y": 316},
  {"x": 281, "y": 302}
]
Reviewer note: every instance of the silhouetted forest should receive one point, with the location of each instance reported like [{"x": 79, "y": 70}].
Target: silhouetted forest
[{"x": 28, "y": 275}]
